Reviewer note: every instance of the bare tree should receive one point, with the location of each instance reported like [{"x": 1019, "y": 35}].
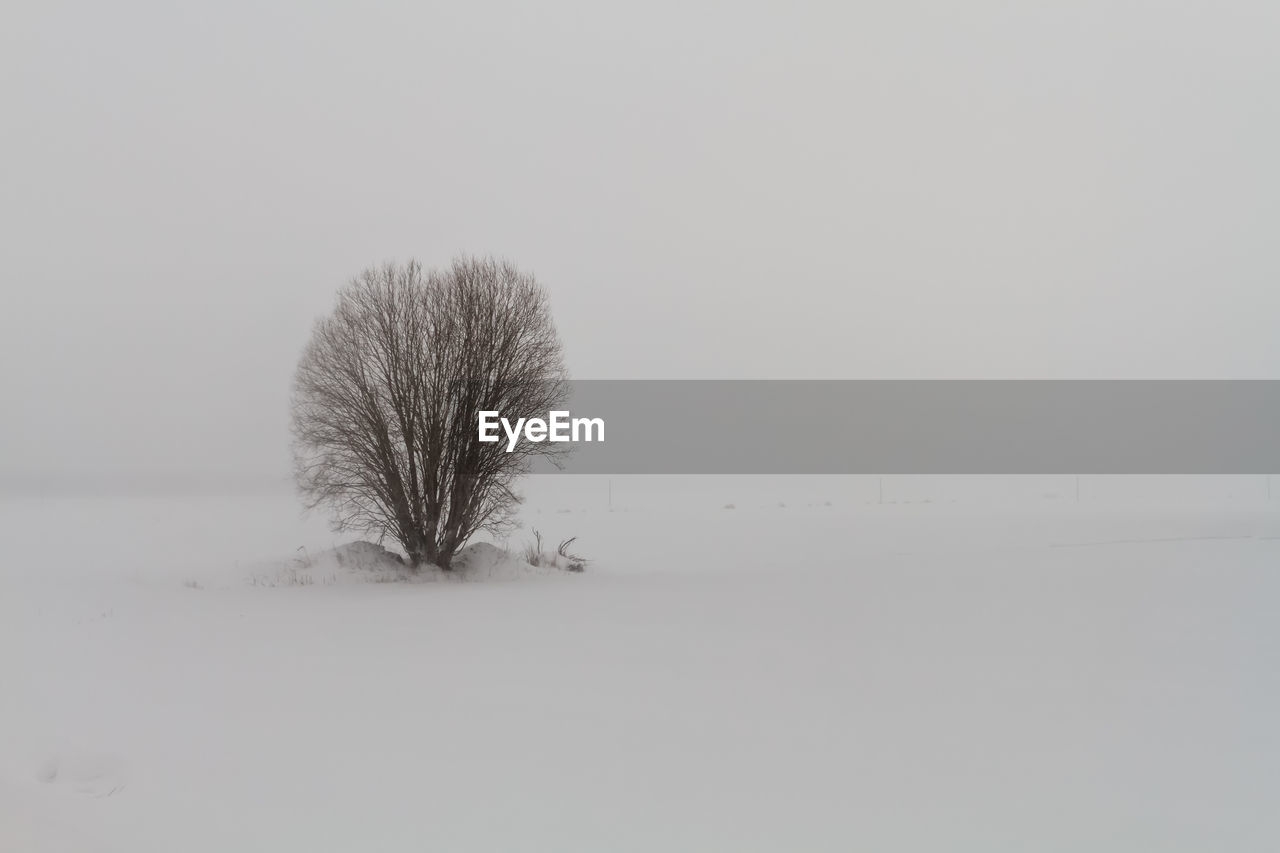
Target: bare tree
[{"x": 387, "y": 393}]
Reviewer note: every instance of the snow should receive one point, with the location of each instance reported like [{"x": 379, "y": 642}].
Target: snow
[
  {"x": 361, "y": 562},
  {"x": 811, "y": 670}
]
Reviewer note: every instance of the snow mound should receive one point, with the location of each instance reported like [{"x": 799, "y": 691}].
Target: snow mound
[
  {"x": 480, "y": 557},
  {"x": 367, "y": 562},
  {"x": 350, "y": 563},
  {"x": 483, "y": 561},
  {"x": 366, "y": 556}
]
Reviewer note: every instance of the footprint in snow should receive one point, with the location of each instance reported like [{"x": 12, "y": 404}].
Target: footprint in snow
[{"x": 95, "y": 775}]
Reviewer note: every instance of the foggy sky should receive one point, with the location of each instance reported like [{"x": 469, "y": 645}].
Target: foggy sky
[{"x": 887, "y": 190}]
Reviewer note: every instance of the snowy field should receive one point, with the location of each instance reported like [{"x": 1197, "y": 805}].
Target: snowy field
[{"x": 826, "y": 665}]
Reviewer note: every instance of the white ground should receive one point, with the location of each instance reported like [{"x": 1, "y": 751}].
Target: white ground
[{"x": 852, "y": 676}]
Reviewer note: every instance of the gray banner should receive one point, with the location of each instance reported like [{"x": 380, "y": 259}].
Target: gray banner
[{"x": 928, "y": 427}]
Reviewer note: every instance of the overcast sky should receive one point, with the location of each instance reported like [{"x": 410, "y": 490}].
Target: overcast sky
[{"x": 842, "y": 190}]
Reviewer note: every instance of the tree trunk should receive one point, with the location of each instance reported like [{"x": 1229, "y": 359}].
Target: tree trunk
[{"x": 420, "y": 551}]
